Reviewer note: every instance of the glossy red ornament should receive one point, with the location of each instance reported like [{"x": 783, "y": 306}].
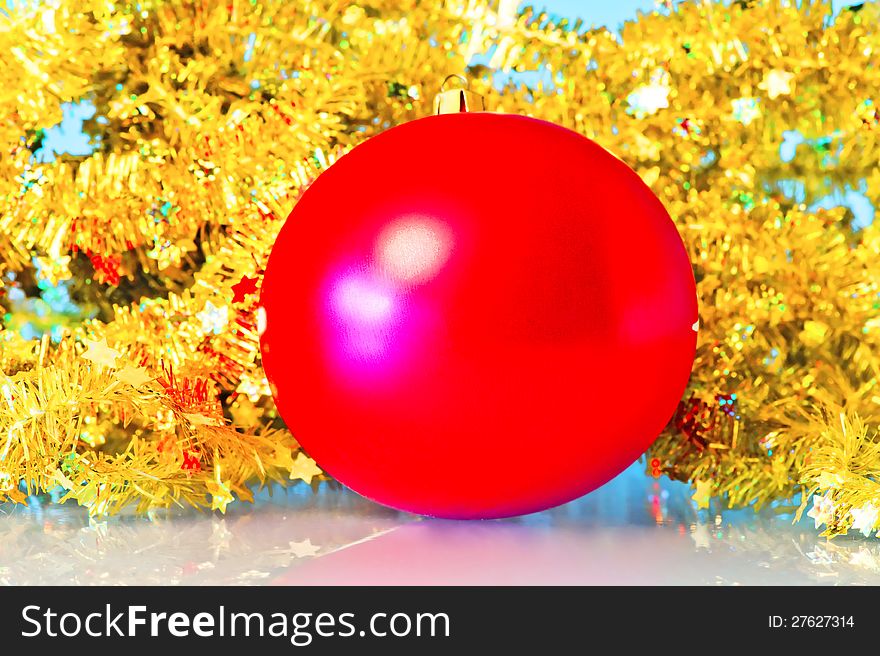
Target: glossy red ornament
[{"x": 477, "y": 315}]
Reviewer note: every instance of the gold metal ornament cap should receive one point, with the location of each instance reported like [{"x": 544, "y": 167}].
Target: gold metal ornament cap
[{"x": 458, "y": 99}]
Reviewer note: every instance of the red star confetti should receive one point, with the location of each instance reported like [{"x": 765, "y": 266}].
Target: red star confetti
[{"x": 243, "y": 288}]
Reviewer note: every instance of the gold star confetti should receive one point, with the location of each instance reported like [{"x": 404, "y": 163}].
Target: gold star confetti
[
  {"x": 304, "y": 468},
  {"x": 134, "y": 376},
  {"x": 284, "y": 458},
  {"x": 702, "y": 494},
  {"x": 220, "y": 496},
  {"x": 244, "y": 412},
  {"x": 100, "y": 353}
]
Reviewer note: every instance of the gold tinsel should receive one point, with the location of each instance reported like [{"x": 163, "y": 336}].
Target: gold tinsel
[{"x": 211, "y": 118}]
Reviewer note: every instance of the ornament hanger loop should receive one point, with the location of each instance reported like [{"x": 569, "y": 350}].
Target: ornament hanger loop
[
  {"x": 460, "y": 99},
  {"x": 465, "y": 83}
]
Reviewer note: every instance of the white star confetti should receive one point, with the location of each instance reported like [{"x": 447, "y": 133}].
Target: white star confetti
[
  {"x": 214, "y": 319},
  {"x": 822, "y": 511},
  {"x": 100, "y": 353},
  {"x": 649, "y": 98},
  {"x": 777, "y": 83},
  {"x": 865, "y": 518},
  {"x": 746, "y": 110},
  {"x": 302, "y": 549}
]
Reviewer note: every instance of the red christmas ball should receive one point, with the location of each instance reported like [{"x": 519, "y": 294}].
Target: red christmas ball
[{"x": 477, "y": 315}]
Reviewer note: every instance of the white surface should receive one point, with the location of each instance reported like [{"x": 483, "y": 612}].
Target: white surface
[{"x": 635, "y": 530}]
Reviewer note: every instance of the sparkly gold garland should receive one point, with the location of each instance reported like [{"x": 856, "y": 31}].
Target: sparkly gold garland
[{"x": 213, "y": 117}]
